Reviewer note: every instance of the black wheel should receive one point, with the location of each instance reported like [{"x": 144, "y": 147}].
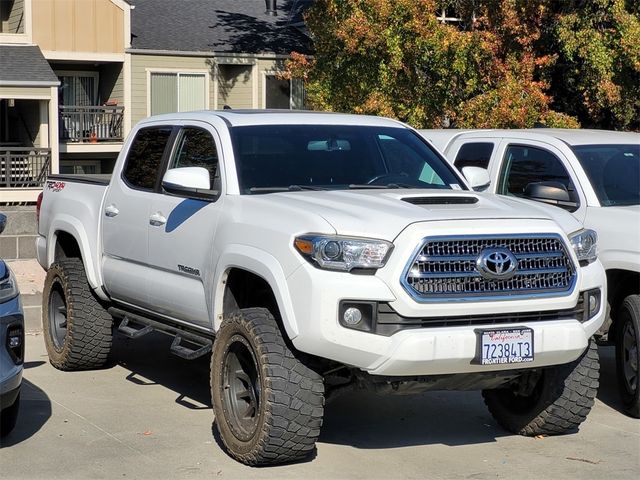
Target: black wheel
[
  {"x": 77, "y": 328},
  {"x": 268, "y": 405},
  {"x": 627, "y": 362},
  {"x": 8, "y": 417},
  {"x": 549, "y": 401}
]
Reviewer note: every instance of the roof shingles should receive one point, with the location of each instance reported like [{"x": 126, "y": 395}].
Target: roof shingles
[
  {"x": 220, "y": 26},
  {"x": 25, "y": 65}
]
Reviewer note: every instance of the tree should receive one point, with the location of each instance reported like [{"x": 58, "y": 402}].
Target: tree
[
  {"x": 497, "y": 67},
  {"x": 597, "y": 73}
]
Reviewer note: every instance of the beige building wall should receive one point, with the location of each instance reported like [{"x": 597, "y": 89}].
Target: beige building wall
[
  {"x": 235, "y": 86},
  {"x": 25, "y": 92},
  {"x": 90, "y": 26},
  {"x": 239, "y": 85},
  {"x": 142, "y": 64}
]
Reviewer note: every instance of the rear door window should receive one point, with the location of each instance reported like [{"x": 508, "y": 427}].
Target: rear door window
[{"x": 144, "y": 158}]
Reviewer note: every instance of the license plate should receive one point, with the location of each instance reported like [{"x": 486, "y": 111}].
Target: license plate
[{"x": 510, "y": 345}]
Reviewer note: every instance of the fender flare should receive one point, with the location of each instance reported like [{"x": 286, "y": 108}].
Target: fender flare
[
  {"x": 72, "y": 226},
  {"x": 262, "y": 264}
]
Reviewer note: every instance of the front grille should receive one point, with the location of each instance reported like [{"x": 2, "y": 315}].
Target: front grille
[{"x": 446, "y": 268}]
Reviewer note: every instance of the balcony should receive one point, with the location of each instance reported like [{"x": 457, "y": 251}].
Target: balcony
[
  {"x": 23, "y": 171},
  {"x": 91, "y": 124}
]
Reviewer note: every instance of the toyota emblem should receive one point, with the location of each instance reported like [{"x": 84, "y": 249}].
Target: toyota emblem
[{"x": 497, "y": 263}]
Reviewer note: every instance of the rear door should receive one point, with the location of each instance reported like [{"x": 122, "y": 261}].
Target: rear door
[
  {"x": 125, "y": 224},
  {"x": 181, "y": 253}
]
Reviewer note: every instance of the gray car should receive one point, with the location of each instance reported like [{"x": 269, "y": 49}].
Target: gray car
[{"x": 11, "y": 346}]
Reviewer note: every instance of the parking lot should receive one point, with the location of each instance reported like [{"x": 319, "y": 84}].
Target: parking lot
[{"x": 148, "y": 415}]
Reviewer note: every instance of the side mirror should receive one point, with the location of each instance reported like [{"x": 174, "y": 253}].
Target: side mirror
[
  {"x": 477, "y": 177},
  {"x": 3, "y": 222},
  {"x": 190, "y": 182},
  {"x": 552, "y": 193}
]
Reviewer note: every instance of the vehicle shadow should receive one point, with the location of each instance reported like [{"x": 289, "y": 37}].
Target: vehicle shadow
[
  {"x": 608, "y": 389},
  {"x": 368, "y": 421},
  {"x": 35, "y": 411},
  {"x": 149, "y": 362},
  {"x": 356, "y": 418}
]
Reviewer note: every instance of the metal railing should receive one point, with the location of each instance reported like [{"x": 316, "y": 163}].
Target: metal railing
[
  {"x": 24, "y": 167},
  {"x": 91, "y": 123}
]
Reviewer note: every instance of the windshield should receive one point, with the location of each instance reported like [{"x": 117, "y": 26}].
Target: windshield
[
  {"x": 273, "y": 158},
  {"x": 614, "y": 172}
]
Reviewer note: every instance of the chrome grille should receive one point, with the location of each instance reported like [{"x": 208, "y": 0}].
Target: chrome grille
[{"x": 445, "y": 268}]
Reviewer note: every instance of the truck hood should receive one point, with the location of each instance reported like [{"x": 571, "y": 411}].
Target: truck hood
[{"x": 385, "y": 213}]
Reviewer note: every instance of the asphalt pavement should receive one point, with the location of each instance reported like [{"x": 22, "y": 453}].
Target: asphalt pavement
[{"x": 148, "y": 415}]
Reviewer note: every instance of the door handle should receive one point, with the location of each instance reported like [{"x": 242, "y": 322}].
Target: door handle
[
  {"x": 111, "y": 211},
  {"x": 157, "y": 220}
]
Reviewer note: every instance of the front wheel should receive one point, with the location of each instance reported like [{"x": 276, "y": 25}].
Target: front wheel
[
  {"x": 268, "y": 405},
  {"x": 627, "y": 362},
  {"x": 550, "y": 401}
]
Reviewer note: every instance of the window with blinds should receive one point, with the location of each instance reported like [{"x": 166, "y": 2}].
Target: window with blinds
[
  {"x": 177, "y": 92},
  {"x": 79, "y": 89}
]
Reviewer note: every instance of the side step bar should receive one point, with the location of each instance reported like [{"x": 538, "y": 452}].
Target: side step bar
[
  {"x": 134, "y": 325},
  {"x": 127, "y": 329}
]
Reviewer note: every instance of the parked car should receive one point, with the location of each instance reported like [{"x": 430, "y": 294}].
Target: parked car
[
  {"x": 314, "y": 252},
  {"x": 11, "y": 346},
  {"x": 594, "y": 174}
]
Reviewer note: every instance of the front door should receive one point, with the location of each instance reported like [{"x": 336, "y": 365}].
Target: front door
[{"x": 181, "y": 253}]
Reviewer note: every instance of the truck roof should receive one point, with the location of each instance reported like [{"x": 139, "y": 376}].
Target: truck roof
[
  {"x": 441, "y": 138},
  {"x": 236, "y": 118}
]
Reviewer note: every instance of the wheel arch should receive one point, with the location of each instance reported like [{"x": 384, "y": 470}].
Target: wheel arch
[
  {"x": 620, "y": 284},
  {"x": 248, "y": 277},
  {"x": 69, "y": 240}
]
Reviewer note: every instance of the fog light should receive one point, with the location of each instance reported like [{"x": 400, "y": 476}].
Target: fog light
[
  {"x": 15, "y": 343},
  {"x": 591, "y": 303},
  {"x": 352, "y": 316}
]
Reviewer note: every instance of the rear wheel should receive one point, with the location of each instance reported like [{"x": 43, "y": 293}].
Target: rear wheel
[
  {"x": 268, "y": 405},
  {"x": 549, "y": 401},
  {"x": 628, "y": 364},
  {"x": 77, "y": 328}
]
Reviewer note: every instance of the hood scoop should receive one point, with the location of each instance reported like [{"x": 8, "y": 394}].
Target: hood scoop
[{"x": 441, "y": 200}]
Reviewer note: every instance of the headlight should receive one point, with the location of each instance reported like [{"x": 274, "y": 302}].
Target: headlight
[
  {"x": 343, "y": 253},
  {"x": 8, "y": 285},
  {"x": 585, "y": 244}
]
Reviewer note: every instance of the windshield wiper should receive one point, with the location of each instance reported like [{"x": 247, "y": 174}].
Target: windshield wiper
[
  {"x": 355, "y": 186},
  {"x": 290, "y": 188}
]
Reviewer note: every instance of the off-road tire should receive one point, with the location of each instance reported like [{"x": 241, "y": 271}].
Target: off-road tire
[
  {"x": 87, "y": 340},
  {"x": 560, "y": 401},
  {"x": 627, "y": 361},
  {"x": 290, "y": 396},
  {"x": 8, "y": 417}
]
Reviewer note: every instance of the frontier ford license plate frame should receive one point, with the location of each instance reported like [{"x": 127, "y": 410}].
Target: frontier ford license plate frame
[{"x": 504, "y": 346}]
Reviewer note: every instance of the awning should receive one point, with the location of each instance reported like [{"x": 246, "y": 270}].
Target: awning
[{"x": 25, "y": 66}]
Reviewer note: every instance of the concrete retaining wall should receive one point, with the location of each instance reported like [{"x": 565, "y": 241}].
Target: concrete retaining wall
[{"x": 19, "y": 237}]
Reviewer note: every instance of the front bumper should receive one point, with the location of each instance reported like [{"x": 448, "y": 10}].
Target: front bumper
[
  {"x": 11, "y": 313},
  {"x": 316, "y": 295}
]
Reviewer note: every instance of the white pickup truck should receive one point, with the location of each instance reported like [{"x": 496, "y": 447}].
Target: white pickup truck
[
  {"x": 316, "y": 252},
  {"x": 594, "y": 174}
]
